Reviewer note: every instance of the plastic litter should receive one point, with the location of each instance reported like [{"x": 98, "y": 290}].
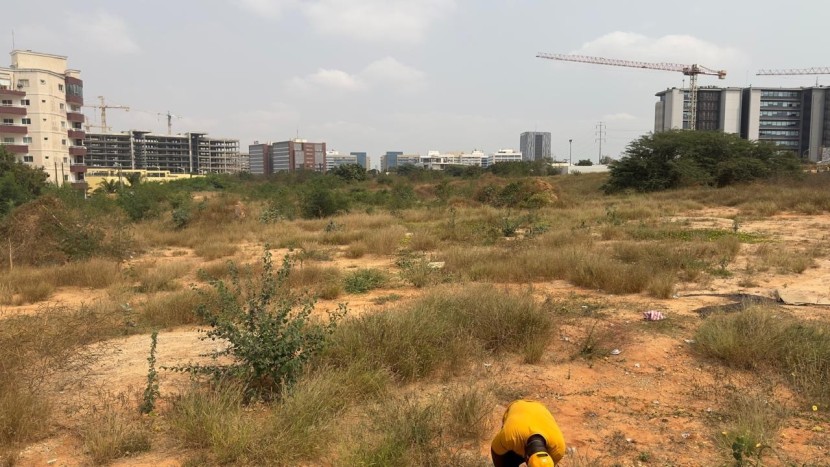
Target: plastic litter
[
  {"x": 616, "y": 352},
  {"x": 653, "y": 315}
]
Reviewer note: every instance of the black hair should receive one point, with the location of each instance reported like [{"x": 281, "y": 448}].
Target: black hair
[{"x": 534, "y": 444}]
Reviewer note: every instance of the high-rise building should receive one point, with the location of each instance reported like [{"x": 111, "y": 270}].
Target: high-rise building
[
  {"x": 286, "y": 156},
  {"x": 193, "y": 153},
  {"x": 259, "y": 158},
  {"x": 362, "y": 159},
  {"x": 389, "y": 160},
  {"x": 535, "y": 145},
  {"x": 40, "y": 107},
  {"x": 797, "y": 119},
  {"x": 504, "y": 155}
]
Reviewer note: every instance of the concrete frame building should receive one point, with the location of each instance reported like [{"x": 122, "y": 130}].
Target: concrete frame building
[
  {"x": 193, "y": 153},
  {"x": 796, "y": 119},
  {"x": 535, "y": 145},
  {"x": 286, "y": 156},
  {"x": 40, "y": 108}
]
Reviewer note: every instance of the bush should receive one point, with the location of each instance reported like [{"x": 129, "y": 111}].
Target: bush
[
  {"x": 364, "y": 280},
  {"x": 675, "y": 159},
  {"x": 19, "y": 183},
  {"x": 321, "y": 202},
  {"x": 269, "y": 333}
]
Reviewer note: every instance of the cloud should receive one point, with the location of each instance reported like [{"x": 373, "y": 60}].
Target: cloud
[
  {"x": 683, "y": 49},
  {"x": 266, "y": 8},
  {"x": 386, "y": 72},
  {"x": 367, "y": 20},
  {"x": 619, "y": 117},
  {"x": 104, "y": 31}
]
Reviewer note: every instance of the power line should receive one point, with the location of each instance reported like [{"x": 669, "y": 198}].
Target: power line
[{"x": 600, "y": 133}]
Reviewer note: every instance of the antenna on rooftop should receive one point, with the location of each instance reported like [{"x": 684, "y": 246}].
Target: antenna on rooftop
[{"x": 13, "y": 47}]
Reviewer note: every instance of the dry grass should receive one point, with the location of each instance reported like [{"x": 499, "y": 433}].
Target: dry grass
[
  {"x": 169, "y": 309},
  {"x": 324, "y": 282},
  {"x": 113, "y": 431},
  {"x": 783, "y": 259},
  {"x": 32, "y": 285},
  {"x": 154, "y": 277}
]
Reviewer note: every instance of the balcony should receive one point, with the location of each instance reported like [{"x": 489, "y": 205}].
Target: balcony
[
  {"x": 12, "y": 110},
  {"x": 77, "y": 151},
  {"x": 13, "y": 129},
  {"x": 75, "y": 117},
  {"x": 77, "y": 134},
  {"x": 70, "y": 99},
  {"x": 77, "y": 167},
  {"x": 11, "y": 93},
  {"x": 83, "y": 186},
  {"x": 16, "y": 148}
]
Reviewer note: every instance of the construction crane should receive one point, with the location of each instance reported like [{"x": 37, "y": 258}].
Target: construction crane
[
  {"x": 169, "y": 121},
  {"x": 103, "y": 106},
  {"x": 795, "y": 71},
  {"x": 692, "y": 71}
]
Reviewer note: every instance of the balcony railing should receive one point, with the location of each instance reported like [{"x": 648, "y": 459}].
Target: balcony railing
[
  {"x": 77, "y": 151},
  {"x": 76, "y": 134},
  {"x": 12, "y": 110},
  {"x": 75, "y": 117},
  {"x": 16, "y": 148},
  {"x": 11, "y": 92},
  {"x": 11, "y": 128},
  {"x": 77, "y": 167}
]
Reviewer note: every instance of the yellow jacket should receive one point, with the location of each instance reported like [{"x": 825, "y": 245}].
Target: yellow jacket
[{"x": 523, "y": 419}]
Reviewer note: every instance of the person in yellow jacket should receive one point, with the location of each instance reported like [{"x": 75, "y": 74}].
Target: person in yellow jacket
[{"x": 528, "y": 434}]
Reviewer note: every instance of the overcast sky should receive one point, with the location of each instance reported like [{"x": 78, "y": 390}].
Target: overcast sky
[{"x": 409, "y": 75}]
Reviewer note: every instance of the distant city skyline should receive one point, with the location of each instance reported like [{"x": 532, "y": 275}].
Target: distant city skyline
[{"x": 405, "y": 75}]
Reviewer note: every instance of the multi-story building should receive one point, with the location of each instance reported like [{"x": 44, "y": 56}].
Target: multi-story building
[
  {"x": 361, "y": 159},
  {"x": 286, "y": 156},
  {"x": 535, "y": 145},
  {"x": 192, "y": 153},
  {"x": 436, "y": 160},
  {"x": 503, "y": 155},
  {"x": 389, "y": 160},
  {"x": 797, "y": 119},
  {"x": 335, "y": 159},
  {"x": 40, "y": 107}
]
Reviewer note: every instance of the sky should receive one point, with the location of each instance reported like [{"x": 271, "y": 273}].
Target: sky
[{"x": 409, "y": 75}]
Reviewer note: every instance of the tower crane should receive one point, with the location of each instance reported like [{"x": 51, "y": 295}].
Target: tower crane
[
  {"x": 692, "y": 71},
  {"x": 103, "y": 106},
  {"x": 795, "y": 71},
  {"x": 170, "y": 118}
]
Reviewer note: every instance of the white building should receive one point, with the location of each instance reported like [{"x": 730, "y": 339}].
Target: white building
[
  {"x": 504, "y": 155},
  {"x": 42, "y": 123},
  {"x": 436, "y": 160},
  {"x": 335, "y": 159}
]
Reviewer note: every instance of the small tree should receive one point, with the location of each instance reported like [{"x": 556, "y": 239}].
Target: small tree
[
  {"x": 584, "y": 163},
  {"x": 350, "y": 172},
  {"x": 18, "y": 182}
]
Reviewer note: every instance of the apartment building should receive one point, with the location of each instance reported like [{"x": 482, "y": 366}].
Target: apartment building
[
  {"x": 535, "y": 145},
  {"x": 796, "y": 119},
  {"x": 40, "y": 107},
  {"x": 192, "y": 153}
]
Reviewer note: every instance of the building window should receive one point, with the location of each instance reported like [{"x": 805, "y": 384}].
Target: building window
[
  {"x": 28, "y": 158},
  {"x": 63, "y": 142},
  {"x": 65, "y": 177},
  {"x": 23, "y": 83},
  {"x": 6, "y": 103},
  {"x": 26, "y": 121},
  {"x": 45, "y": 138},
  {"x": 63, "y": 125},
  {"x": 43, "y": 101},
  {"x": 65, "y": 160},
  {"x": 60, "y": 87},
  {"x": 61, "y": 106},
  {"x": 25, "y": 102},
  {"x": 8, "y": 121},
  {"x": 27, "y": 140},
  {"x": 8, "y": 140}
]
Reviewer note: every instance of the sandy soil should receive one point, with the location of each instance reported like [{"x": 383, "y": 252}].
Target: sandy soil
[{"x": 655, "y": 396}]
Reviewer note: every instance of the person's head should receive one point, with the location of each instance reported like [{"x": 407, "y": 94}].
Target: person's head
[{"x": 540, "y": 459}]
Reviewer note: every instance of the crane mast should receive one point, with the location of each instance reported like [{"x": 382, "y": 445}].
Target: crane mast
[
  {"x": 692, "y": 71},
  {"x": 103, "y": 106}
]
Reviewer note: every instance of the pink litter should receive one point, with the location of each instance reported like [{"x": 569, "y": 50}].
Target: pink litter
[{"x": 653, "y": 315}]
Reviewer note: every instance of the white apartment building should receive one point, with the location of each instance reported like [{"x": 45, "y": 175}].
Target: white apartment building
[
  {"x": 504, "y": 155},
  {"x": 40, "y": 107}
]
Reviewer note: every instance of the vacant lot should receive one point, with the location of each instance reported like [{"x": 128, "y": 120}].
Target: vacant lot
[{"x": 455, "y": 308}]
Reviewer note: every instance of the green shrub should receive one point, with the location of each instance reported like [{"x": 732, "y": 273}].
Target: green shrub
[
  {"x": 269, "y": 331},
  {"x": 364, "y": 280},
  {"x": 321, "y": 202}
]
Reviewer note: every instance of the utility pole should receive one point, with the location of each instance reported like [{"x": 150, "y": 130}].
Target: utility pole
[
  {"x": 600, "y": 139},
  {"x": 570, "y": 153}
]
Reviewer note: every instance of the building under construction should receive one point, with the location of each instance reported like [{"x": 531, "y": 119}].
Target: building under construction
[{"x": 193, "y": 153}]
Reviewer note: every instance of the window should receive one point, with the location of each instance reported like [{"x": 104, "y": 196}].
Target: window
[
  {"x": 63, "y": 125},
  {"x": 8, "y": 140},
  {"x": 43, "y": 81},
  {"x": 27, "y": 140},
  {"x": 28, "y": 158},
  {"x": 62, "y": 106},
  {"x": 63, "y": 142},
  {"x": 23, "y": 83},
  {"x": 26, "y": 121},
  {"x": 6, "y": 102},
  {"x": 43, "y": 101},
  {"x": 75, "y": 108},
  {"x": 25, "y": 102},
  {"x": 45, "y": 138},
  {"x": 65, "y": 177},
  {"x": 60, "y": 87},
  {"x": 65, "y": 160},
  {"x": 8, "y": 121}
]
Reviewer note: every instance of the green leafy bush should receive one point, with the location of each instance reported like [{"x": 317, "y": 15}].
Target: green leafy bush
[
  {"x": 268, "y": 331},
  {"x": 364, "y": 280}
]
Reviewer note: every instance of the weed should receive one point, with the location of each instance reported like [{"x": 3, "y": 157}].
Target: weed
[
  {"x": 111, "y": 433},
  {"x": 469, "y": 413},
  {"x": 383, "y": 299},
  {"x": 170, "y": 309},
  {"x": 364, "y": 280},
  {"x": 151, "y": 390}
]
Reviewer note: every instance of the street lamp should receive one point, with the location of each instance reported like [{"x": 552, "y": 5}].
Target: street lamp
[{"x": 570, "y": 152}]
